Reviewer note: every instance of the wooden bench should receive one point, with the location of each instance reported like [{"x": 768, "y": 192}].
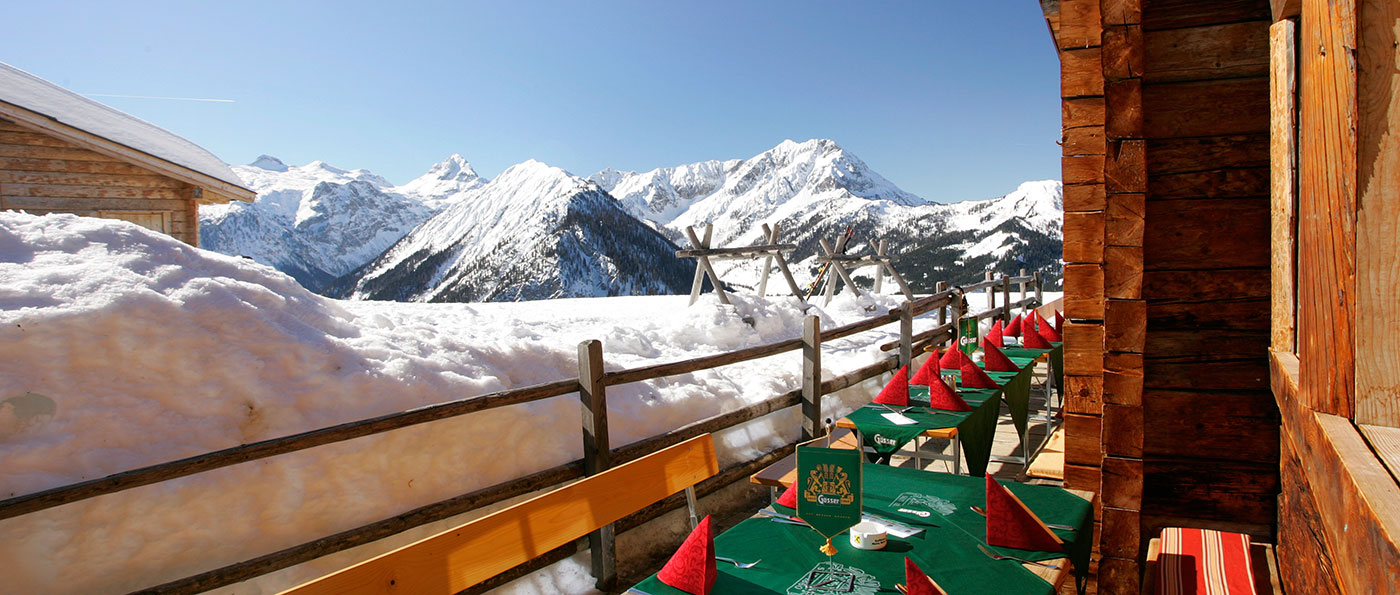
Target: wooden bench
[
  {"x": 1233, "y": 556},
  {"x": 476, "y": 551}
]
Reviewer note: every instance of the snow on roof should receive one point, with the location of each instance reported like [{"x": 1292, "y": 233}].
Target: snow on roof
[{"x": 30, "y": 92}]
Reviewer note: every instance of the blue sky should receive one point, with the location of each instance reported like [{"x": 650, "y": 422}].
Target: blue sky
[{"x": 950, "y": 100}]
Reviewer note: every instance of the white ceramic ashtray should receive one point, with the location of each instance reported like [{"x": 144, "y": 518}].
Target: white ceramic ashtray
[{"x": 869, "y": 536}]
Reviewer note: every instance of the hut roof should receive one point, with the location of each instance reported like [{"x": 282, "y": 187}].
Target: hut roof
[{"x": 78, "y": 116}]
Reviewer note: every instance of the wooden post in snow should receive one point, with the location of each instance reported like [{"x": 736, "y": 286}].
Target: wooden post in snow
[
  {"x": 879, "y": 270},
  {"x": 597, "y": 454},
  {"x": 906, "y": 333},
  {"x": 1023, "y": 288},
  {"x": 812, "y": 426},
  {"x": 702, "y": 264}
]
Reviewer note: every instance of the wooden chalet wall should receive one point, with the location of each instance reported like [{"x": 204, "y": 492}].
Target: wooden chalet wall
[
  {"x": 43, "y": 174},
  {"x": 1336, "y": 330},
  {"x": 1166, "y": 173}
]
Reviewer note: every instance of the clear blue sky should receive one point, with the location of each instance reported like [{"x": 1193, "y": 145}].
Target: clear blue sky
[{"x": 948, "y": 99}]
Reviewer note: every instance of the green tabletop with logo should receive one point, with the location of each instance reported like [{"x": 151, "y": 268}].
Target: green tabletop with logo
[{"x": 938, "y": 506}]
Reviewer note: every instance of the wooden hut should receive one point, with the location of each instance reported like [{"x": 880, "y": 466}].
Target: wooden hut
[
  {"x": 61, "y": 152},
  {"x": 1233, "y": 350}
]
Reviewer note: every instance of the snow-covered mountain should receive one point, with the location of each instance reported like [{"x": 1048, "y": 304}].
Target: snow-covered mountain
[
  {"x": 817, "y": 189},
  {"x": 317, "y": 222},
  {"x": 535, "y": 232}
]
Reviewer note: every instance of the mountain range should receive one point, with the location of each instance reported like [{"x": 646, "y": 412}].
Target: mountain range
[{"x": 538, "y": 232}]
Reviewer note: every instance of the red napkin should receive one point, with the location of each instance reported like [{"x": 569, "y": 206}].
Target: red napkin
[
  {"x": 993, "y": 336},
  {"x": 927, "y": 373},
  {"x": 942, "y": 396},
  {"x": 1034, "y": 340},
  {"x": 1059, "y": 322},
  {"x": 952, "y": 358},
  {"x": 1049, "y": 332},
  {"x": 974, "y": 377},
  {"x": 897, "y": 391},
  {"x": 1027, "y": 324},
  {"x": 1014, "y": 328},
  {"x": 789, "y": 497},
  {"x": 1011, "y": 524},
  {"x": 993, "y": 359},
  {"x": 918, "y": 583},
  {"x": 692, "y": 567}
]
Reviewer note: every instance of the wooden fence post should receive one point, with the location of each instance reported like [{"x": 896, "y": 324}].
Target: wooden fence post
[
  {"x": 1006, "y": 298},
  {"x": 597, "y": 454},
  {"x": 880, "y": 270},
  {"x": 811, "y": 378},
  {"x": 906, "y": 333},
  {"x": 1039, "y": 298},
  {"x": 955, "y": 307},
  {"x": 1023, "y": 287},
  {"x": 941, "y": 287},
  {"x": 991, "y": 292}
]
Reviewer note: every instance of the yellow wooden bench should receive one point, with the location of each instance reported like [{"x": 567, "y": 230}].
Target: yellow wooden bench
[{"x": 476, "y": 551}]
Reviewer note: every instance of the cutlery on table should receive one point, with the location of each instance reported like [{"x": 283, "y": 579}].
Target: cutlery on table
[
  {"x": 978, "y": 510},
  {"x": 995, "y": 556},
  {"x": 738, "y": 563},
  {"x": 778, "y": 516}
]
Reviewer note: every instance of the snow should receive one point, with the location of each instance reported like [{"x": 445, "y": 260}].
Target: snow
[
  {"x": 35, "y": 94},
  {"x": 151, "y": 350}
]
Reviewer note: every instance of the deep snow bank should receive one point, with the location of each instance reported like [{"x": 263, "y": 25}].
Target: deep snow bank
[{"x": 149, "y": 350}]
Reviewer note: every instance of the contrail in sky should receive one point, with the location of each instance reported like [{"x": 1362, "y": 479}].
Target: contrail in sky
[{"x": 157, "y": 97}]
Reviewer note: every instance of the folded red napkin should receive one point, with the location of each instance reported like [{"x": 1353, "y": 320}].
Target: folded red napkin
[
  {"x": 952, "y": 359},
  {"x": 1059, "y": 322},
  {"x": 1049, "y": 331},
  {"x": 993, "y": 336},
  {"x": 1011, "y": 524},
  {"x": 942, "y": 396},
  {"x": 692, "y": 567},
  {"x": 897, "y": 391},
  {"x": 927, "y": 373},
  {"x": 974, "y": 377},
  {"x": 993, "y": 359},
  {"x": 1034, "y": 340},
  {"x": 918, "y": 583},
  {"x": 789, "y": 497},
  {"x": 1013, "y": 329},
  {"x": 1028, "y": 323}
]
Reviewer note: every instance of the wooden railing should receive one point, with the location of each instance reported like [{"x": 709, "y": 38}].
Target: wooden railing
[{"x": 599, "y": 455}]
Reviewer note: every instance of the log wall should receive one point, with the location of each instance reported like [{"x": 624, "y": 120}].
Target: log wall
[
  {"x": 1170, "y": 418},
  {"x": 42, "y": 174}
]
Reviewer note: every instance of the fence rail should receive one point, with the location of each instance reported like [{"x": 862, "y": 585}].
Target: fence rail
[{"x": 598, "y": 453}]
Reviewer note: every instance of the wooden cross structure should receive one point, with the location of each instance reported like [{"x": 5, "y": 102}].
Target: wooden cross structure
[
  {"x": 839, "y": 262},
  {"x": 703, "y": 253}
]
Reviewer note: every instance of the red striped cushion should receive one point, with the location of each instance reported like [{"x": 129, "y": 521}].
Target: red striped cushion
[{"x": 1203, "y": 562}]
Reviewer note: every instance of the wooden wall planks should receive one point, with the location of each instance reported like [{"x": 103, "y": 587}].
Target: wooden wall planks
[
  {"x": 1378, "y": 215},
  {"x": 40, "y": 174}
]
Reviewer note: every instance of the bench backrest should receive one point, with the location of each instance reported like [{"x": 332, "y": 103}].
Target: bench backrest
[{"x": 471, "y": 553}]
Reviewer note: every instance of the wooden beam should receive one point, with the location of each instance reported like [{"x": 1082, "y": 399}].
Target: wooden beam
[
  {"x": 1084, "y": 197},
  {"x": 463, "y": 556},
  {"x": 1283, "y": 9},
  {"x": 1207, "y": 234},
  {"x": 1084, "y": 394},
  {"x": 1081, "y": 72},
  {"x": 1283, "y": 180},
  {"x": 1083, "y": 348},
  {"x": 1377, "y": 325},
  {"x": 1122, "y": 379},
  {"x": 1207, "y": 108},
  {"x": 1084, "y": 237},
  {"x": 1079, "y": 24},
  {"x": 1357, "y": 499},
  {"x": 1174, "y": 14},
  {"x": 1327, "y": 209},
  {"x": 1084, "y": 291}
]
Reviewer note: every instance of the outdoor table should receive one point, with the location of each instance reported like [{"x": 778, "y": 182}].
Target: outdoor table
[
  {"x": 946, "y": 549},
  {"x": 974, "y": 430}
]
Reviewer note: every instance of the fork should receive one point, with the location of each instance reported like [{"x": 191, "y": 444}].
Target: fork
[
  {"x": 738, "y": 563},
  {"x": 978, "y": 510},
  {"x": 996, "y": 556}
]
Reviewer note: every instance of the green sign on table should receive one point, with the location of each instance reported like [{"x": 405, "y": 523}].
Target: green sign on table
[
  {"x": 828, "y": 496},
  {"x": 967, "y": 335}
]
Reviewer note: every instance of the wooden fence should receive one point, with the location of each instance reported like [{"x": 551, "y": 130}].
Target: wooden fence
[{"x": 599, "y": 454}]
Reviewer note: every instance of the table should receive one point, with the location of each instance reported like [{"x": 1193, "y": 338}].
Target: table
[{"x": 946, "y": 550}]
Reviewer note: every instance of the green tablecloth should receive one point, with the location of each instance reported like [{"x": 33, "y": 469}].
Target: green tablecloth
[{"x": 946, "y": 550}]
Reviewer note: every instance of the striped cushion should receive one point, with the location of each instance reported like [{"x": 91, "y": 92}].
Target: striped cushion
[{"x": 1203, "y": 562}]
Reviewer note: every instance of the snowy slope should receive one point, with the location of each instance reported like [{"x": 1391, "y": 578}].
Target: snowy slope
[
  {"x": 817, "y": 189},
  {"x": 151, "y": 350},
  {"x": 317, "y": 222},
  {"x": 535, "y": 232}
]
